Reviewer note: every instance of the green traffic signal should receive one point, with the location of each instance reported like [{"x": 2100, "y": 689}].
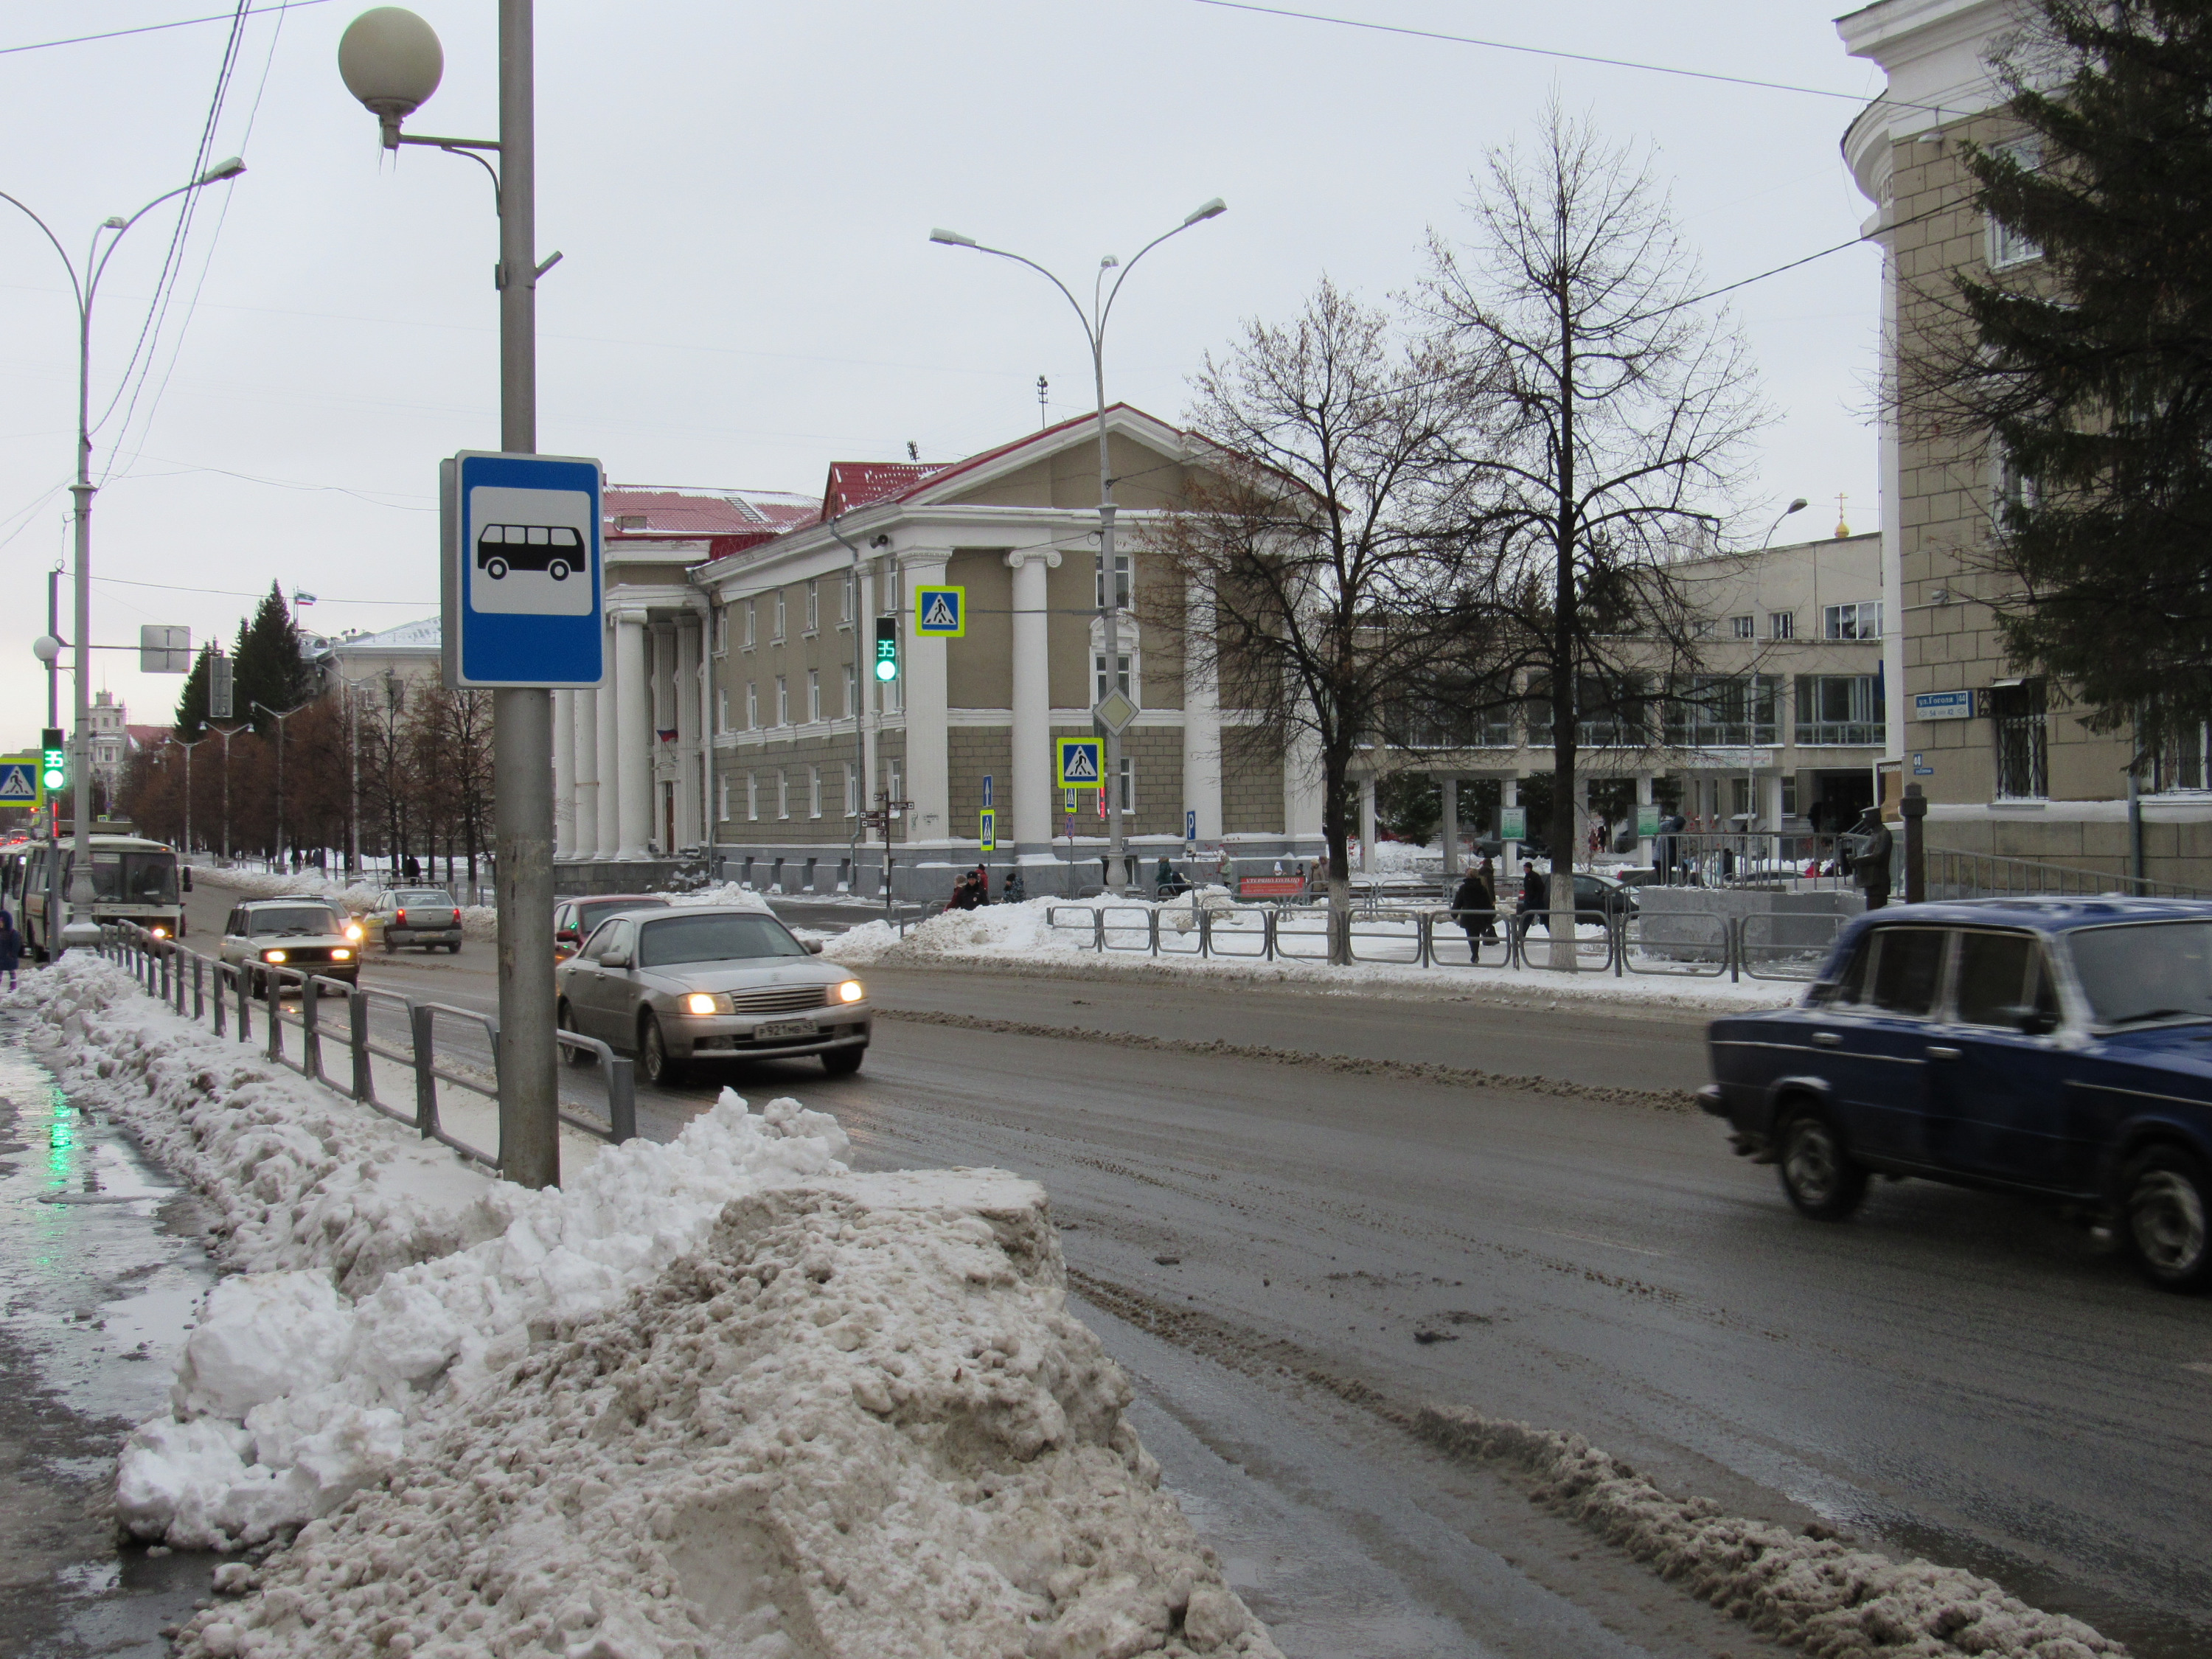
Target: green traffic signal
[
  {"x": 53, "y": 761},
  {"x": 887, "y": 648}
]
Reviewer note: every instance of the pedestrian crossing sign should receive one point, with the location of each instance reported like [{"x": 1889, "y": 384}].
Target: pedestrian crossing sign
[
  {"x": 987, "y": 837},
  {"x": 19, "y": 781},
  {"x": 1082, "y": 762},
  {"x": 941, "y": 613}
]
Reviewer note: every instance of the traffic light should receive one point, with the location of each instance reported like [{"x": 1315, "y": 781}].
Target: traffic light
[
  {"x": 53, "y": 761},
  {"x": 887, "y": 648},
  {"x": 222, "y": 698}
]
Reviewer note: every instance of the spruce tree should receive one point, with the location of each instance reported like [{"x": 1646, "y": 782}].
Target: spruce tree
[
  {"x": 189, "y": 721},
  {"x": 2091, "y": 365},
  {"x": 268, "y": 670}
]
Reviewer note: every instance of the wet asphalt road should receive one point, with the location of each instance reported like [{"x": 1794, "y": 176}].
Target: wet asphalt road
[{"x": 1953, "y": 1374}]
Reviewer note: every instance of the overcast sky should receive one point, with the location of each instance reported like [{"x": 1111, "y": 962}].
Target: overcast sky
[{"x": 744, "y": 194}]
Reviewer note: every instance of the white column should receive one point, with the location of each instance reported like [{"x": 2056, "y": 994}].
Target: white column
[
  {"x": 1031, "y": 737},
  {"x": 606, "y": 807},
  {"x": 1509, "y": 794},
  {"x": 928, "y": 776},
  {"x": 1449, "y": 786},
  {"x": 683, "y": 674},
  {"x": 1302, "y": 789},
  {"x": 1770, "y": 801},
  {"x": 1892, "y": 529},
  {"x": 564, "y": 775},
  {"x": 1642, "y": 801},
  {"x": 633, "y": 750},
  {"x": 1367, "y": 824},
  {"x": 1201, "y": 720},
  {"x": 585, "y": 837}
]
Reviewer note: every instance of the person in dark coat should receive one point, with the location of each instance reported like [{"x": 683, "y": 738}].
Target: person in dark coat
[
  {"x": 11, "y": 947},
  {"x": 1536, "y": 898},
  {"x": 1014, "y": 890},
  {"x": 1870, "y": 862},
  {"x": 1475, "y": 906},
  {"x": 1489, "y": 886}
]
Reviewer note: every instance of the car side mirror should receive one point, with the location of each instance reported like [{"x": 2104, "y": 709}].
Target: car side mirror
[
  {"x": 615, "y": 959},
  {"x": 566, "y": 936},
  {"x": 2031, "y": 1021},
  {"x": 813, "y": 946}
]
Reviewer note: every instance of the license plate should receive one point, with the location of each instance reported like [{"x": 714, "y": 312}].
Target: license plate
[{"x": 784, "y": 1028}]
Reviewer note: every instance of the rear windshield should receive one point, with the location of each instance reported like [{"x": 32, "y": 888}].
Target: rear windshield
[
  {"x": 135, "y": 877},
  {"x": 295, "y": 919},
  {"x": 714, "y": 939},
  {"x": 2152, "y": 970},
  {"x": 591, "y": 915},
  {"x": 430, "y": 896}
]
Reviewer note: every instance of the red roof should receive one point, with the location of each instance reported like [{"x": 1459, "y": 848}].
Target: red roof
[
  {"x": 729, "y": 520},
  {"x": 857, "y": 483},
  {"x": 149, "y": 737}
]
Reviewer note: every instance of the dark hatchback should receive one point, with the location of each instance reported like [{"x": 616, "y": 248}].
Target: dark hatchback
[{"x": 2060, "y": 1048}]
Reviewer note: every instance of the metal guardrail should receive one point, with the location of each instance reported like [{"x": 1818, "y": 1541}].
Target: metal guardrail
[
  {"x": 225, "y": 994},
  {"x": 1956, "y": 875}
]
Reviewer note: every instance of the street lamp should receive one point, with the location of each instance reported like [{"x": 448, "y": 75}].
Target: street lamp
[
  {"x": 280, "y": 719},
  {"x": 1751, "y": 709},
  {"x": 187, "y": 747},
  {"x": 390, "y": 60},
  {"x": 1109, "y": 608},
  {"x": 81, "y": 930}
]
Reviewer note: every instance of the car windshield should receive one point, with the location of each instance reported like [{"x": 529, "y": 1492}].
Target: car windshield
[
  {"x": 591, "y": 915},
  {"x": 714, "y": 939},
  {"x": 2152, "y": 970},
  {"x": 135, "y": 877},
  {"x": 292, "y": 919},
  {"x": 432, "y": 896}
]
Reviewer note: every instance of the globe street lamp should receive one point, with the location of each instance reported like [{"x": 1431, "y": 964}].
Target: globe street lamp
[
  {"x": 85, "y": 286},
  {"x": 1110, "y": 605},
  {"x": 390, "y": 60}
]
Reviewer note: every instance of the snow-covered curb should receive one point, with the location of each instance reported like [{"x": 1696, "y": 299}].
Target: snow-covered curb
[
  {"x": 712, "y": 1392},
  {"x": 1017, "y": 936},
  {"x": 1817, "y": 1593}
]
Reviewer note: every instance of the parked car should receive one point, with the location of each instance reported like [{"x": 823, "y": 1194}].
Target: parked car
[
  {"x": 303, "y": 932},
  {"x": 710, "y": 982},
  {"x": 414, "y": 916},
  {"x": 2057, "y": 1048},
  {"x": 575, "y": 920}
]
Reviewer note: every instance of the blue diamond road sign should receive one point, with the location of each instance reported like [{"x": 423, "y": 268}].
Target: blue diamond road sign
[{"x": 525, "y": 598}]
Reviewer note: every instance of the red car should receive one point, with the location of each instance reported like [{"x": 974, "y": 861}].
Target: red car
[{"x": 573, "y": 919}]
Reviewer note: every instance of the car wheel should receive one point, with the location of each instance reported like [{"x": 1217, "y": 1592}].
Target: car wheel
[
  {"x": 454, "y": 950},
  {"x": 660, "y": 1067},
  {"x": 842, "y": 1062},
  {"x": 565, "y": 1019},
  {"x": 2165, "y": 1203},
  {"x": 1819, "y": 1175}
]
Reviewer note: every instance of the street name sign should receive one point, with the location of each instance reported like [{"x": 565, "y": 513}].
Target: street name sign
[
  {"x": 525, "y": 601},
  {"x": 1082, "y": 762},
  {"x": 940, "y": 612},
  {"x": 1943, "y": 705}
]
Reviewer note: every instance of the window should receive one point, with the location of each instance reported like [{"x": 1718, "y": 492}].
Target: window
[
  {"x": 852, "y": 790},
  {"x": 852, "y": 693},
  {"x": 1838, "y": 708},
  {"x": 1907, "y": 968},
  {"x": 753, "y": 799},
  {"x": 1743, "y": 628},
  {"x": 1120, "y": 681},
  {"x": 1782, "y": 624},
  {"x": 848, "y": 596},
  {"x": 782, "y": 794},
  {"x": 721, "y": 709},
  {"x": 1120, "y": 579},
  {"x": 752, "y": 705},
  {"x": 894, "y": 695},
  {"x": 1708, "y": 711},
  {"x": 782, "y": 701},
  {"x": 813, "y": 791},
  {"x": 722, "y": 799},
  {"x": 2007, "y": 246},
  {"x": 1993, "y": 970},
  {"x": 752, "y": 621},
  {"x": 1862, "y": 621},
  {"x": 814, "y": 606},
  {"x": 2145, "y": 972},
  {"x": 1128, "y": 783},
  {"x": 2016, "y": 713},
  {"x": 895, "y": 781},
  {"x": 721, "y": 631},
  {"x": 776, "y": 638},
  {"x": 813, "y": 694},
  {"x": 2184, "y": 762}
]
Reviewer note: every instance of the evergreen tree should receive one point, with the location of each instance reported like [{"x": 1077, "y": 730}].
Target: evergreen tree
[
  {"x": 268, "y": 670},
  {"x": 191, "y": 719},
  {"x": 2091, "y": 368}
]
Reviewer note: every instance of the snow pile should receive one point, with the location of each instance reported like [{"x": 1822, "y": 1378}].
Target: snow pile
[
  {"x": 353, "y": 897},
  {"x": 727, "y": 892},
  {"x": 1818, "y": 1593},
  {"x": 993, "y": 930},
  {"x": 302, "y": 1178},
  {"x": 317, "y": 1407},
  {"x": 859, "y": 1421}
]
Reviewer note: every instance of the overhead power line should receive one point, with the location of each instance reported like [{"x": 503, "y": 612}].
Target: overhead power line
[
  {"x": 155, "y": 29},
  {"x": 261, "y": 593}
]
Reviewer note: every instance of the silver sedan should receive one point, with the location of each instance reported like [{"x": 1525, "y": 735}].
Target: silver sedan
[{"x": 710, "y": 982}]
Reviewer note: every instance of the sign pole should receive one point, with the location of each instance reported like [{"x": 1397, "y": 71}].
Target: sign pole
[{"x": 522, "y": 717}]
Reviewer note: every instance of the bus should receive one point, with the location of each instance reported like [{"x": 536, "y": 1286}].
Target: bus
[{"x": 133, "y": 879}]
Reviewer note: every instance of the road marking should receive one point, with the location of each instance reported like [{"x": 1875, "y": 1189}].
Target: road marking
[
  {"x": 2201, "y": 1367},
  {"x": 1610, "y": 1244}
]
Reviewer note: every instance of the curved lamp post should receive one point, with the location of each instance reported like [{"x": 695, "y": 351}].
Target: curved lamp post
[
  {"x": 1109, "y": 622},
  {"x": 84, "y": 286}
]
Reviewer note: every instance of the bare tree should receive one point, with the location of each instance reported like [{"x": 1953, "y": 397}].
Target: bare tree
[
  {"x": 1607, "y": 447},
  {"x": 1306, "y": 551}
]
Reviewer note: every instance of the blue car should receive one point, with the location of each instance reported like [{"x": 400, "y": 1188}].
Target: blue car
[{"x": 2060, "y": 1048}]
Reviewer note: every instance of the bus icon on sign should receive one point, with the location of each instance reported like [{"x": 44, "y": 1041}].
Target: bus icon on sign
[{"x": 557, "y": 549}]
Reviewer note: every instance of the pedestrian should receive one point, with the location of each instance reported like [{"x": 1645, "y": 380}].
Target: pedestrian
[
  {"x": 1014, "y": 890},
  {"x": 11, "y": 947},
  {"x": 411, "y": 868},
  {"x": 1535, "y": 900},
  {"x": 1870, "y": 860},
  {"x": 1475, "y": 906},
  {"x": 1489, "y": 886},
  {"x": 982, "y": 885}
]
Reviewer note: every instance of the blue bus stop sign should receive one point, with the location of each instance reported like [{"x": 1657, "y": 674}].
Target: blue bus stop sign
[{"x": 524, "y": 598}]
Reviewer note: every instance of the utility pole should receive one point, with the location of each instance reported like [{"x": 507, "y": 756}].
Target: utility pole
[
  {"x": 226, "y": 736},
  {"x": 280, "y": 719}
]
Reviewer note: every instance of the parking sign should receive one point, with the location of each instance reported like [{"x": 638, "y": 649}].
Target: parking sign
[{"x": 525, "y": 600}]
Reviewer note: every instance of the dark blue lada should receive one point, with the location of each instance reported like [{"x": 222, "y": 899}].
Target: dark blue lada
[{"x": 2057, "y": 1048}]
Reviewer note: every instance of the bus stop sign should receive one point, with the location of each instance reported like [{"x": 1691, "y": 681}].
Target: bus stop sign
[{"x": 523, "y": 601}]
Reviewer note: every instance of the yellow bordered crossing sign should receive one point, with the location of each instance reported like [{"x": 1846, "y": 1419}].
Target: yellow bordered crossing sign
[
  {"x": 941, "y": 613},
  {"x": 1082, "y": 762},
  {"x": 19, "y": 780},
  {"x": 986, "y": 836}
]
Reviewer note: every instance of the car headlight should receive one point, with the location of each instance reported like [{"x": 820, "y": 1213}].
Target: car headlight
[
  {"x": 341, "y": 955},
  {"x": 353, "y": 930},
  {"x": 159, "y": 933},
  {"x": 699, "y": 1002},
  {"x": 851, "y": 991},
  {"x": 272, "y": 955}
]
